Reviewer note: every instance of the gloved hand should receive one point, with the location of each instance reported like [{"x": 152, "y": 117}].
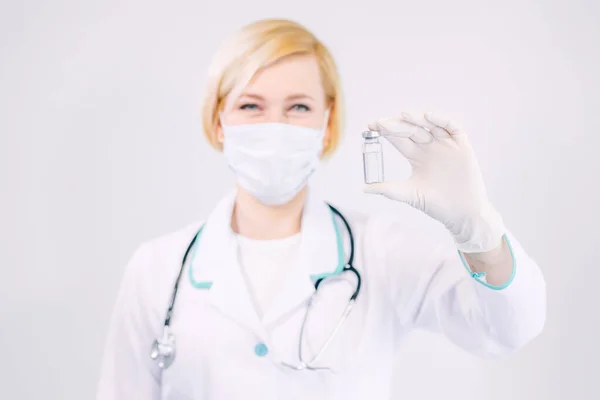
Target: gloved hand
[{"x": 446, "y": 182}]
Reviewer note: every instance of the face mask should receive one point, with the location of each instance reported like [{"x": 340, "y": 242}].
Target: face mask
[{"x": 272, "y": 161}]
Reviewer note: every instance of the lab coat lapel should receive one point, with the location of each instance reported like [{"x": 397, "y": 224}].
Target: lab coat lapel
[
  {"x": 318, "y": 257},
  {"x": 216, "y": 263}
]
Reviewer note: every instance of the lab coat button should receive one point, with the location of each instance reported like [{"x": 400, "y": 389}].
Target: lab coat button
[{"x": 261, "y": 350}]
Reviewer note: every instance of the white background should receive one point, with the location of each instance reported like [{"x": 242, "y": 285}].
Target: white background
[{"x": 101, "y": 148}]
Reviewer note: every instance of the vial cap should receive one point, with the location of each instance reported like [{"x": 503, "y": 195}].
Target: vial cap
[{"x": 371, "y": 134}]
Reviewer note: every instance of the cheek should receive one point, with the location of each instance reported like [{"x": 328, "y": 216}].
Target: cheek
[{"x": 318, "y": 120}]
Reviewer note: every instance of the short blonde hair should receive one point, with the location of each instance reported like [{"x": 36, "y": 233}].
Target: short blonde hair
[{"x": 256, "y": 46}]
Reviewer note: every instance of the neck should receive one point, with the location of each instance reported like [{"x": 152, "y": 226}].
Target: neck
[{"x": 254, "y": 220}]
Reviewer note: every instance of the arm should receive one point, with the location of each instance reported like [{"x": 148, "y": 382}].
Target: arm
[
  {"x": 127, "y": 371},
  {"x": 495, "y": 300},
  {"x": 497, "y": 265},
  {"x": 487, "y": 317}
]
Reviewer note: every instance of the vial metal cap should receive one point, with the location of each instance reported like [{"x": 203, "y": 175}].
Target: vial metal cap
[{"x": 371, "y": 134}]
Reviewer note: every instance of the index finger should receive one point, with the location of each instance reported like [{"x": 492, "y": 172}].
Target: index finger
[{"x": 448, "y": 125}]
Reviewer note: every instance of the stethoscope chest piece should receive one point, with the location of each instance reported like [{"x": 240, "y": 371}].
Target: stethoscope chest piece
[{"x": 163, "y": 349}]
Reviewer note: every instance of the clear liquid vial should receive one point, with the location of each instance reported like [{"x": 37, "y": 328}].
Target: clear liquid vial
[{"x": 372, "y": 157}]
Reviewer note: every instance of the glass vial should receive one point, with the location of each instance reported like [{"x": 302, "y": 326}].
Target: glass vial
[{"x": 372, "y": 157}]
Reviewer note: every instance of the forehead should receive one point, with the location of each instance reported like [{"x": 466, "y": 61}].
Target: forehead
[{"x": 296, "y": 74}]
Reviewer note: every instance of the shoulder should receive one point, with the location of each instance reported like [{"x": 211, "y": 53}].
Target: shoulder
[
  {"x": 172, "y": 244},
  {"x": 404, "y": 242},
  {"x": 405, "y": 227},
  {"x": 405, "y": 236},
  {"x": 356, "y": 219},
  {"x": 157, "y": 261}
]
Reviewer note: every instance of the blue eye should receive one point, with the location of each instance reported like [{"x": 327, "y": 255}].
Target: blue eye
[
  {"x": 249, "y": 106},
  {"x": 301, "y": 107}
]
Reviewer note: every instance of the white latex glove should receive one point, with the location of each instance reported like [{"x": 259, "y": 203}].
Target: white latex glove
[{"x": 446, "y": 182}]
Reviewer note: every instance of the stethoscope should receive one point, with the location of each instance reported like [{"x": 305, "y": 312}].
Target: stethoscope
[{"x": 163, "y": 348}]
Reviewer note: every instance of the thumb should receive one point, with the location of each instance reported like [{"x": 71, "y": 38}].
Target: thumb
[{"x": 405, "y": 192}]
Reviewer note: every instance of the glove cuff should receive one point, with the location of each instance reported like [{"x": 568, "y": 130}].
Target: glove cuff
[{"x": 482, "y": 232}]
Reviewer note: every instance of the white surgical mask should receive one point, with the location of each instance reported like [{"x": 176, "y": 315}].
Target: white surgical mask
[{"x": 272, "y": 161}]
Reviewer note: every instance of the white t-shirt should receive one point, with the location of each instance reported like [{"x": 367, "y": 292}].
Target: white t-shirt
[{"x": 264, "y": 265}]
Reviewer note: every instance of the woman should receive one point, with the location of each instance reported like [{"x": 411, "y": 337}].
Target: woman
[{"x": 238, "y": 327}]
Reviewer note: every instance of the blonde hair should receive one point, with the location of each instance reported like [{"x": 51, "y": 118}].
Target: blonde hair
[{"x": 256, "y": 46}]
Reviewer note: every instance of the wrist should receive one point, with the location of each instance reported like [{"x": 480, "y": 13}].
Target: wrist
[
  {"x": 481, "y": 232},
  {"x": 492, "y": 256}
]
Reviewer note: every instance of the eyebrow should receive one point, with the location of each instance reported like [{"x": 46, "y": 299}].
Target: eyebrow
[
  {"x": 295, "y": 96},
  {"x": 251, "y": 95},
  {"x": 299, "y": 96}
]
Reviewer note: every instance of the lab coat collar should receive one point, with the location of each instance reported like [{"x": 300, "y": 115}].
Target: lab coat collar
[
  {"x": 318, "y": 258},
  {"x": 216, "y": 262}
]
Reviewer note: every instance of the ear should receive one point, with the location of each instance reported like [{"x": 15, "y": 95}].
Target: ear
[
  {"x": 326, "y": 138},
  {"x": 220, "y": 136},
  {"x": 327, "y": 133}
]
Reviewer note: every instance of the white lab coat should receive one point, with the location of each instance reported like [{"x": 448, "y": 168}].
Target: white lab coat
[{"x": 411, "y": 278}]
